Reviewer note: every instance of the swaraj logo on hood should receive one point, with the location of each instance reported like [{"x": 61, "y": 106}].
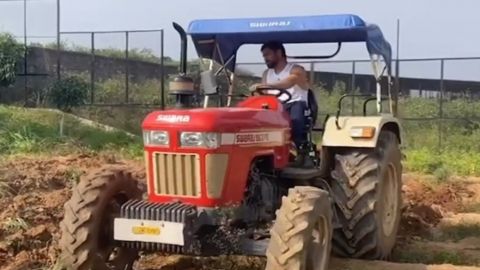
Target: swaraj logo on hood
[{"x": 171, "y": 118}]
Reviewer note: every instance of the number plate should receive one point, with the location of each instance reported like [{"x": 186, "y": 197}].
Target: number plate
[{"x": 149, "y": 231}]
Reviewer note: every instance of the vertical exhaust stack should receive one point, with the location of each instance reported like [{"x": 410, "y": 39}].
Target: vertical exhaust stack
[{"x": 182, "y": 86}]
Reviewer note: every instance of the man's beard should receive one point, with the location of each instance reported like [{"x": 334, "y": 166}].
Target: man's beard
[{"x": 271, "y": 64}]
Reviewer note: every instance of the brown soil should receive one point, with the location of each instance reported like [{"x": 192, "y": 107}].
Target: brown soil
[
  {"x": 33, "y": 191},
  {"x": 427, "y": 203}
]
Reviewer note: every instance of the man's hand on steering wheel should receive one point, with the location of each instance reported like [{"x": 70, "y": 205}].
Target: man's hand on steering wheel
[{"x": 263, "y": 89}]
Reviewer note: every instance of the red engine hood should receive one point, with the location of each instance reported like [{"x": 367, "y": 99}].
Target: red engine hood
[{"x": 216, "y": 119}]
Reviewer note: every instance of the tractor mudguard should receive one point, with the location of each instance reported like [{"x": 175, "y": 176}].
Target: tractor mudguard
[{"x": 347, "y": 130}]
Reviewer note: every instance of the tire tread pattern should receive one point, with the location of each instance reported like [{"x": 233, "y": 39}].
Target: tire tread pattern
[
  {"x": 293, "y": 227},
  {"x": 355, "y": 183},
  {"x": 81, "y": 220}
]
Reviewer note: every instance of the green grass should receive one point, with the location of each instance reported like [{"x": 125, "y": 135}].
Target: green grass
[
  {"x": 425, "y": 256},
  {"x": 25, "y": 131},
  {"x": 443, "y": 164},
  {"x": 13, "y": 225},
  {"x": 458, "y": 232},
  {"x": 455, "y": 152},
  {"x": 472, "y": 208}
]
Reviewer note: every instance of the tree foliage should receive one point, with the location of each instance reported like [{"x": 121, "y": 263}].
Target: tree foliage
[
  {"x": 69, "y": 92},
  {"x": 10, "y": 53}
]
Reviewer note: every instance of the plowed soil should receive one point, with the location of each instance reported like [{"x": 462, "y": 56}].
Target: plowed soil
[{"x": 438, "y": 223}]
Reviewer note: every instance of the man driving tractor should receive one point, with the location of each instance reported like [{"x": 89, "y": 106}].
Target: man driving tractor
[{"x": 293, "y": 78}]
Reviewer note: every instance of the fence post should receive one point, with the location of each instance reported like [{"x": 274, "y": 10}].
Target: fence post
[
  {"x": 92, "y": 70},
  {"x": 352, "y": 90},
  {"x": 25, "y": 53},
  {"x": 312, "y": 73},
  {"x": 396, "y": 89},
  {"x": 162, "y": 69},
  {"x": 127, "y": 72},
  {"x": 58, "y": 40},
  {"x": 442, "y": 86}
]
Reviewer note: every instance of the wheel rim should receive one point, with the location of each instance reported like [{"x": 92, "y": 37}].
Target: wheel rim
[
  {"x": 318, "y": 252},
  {"x": 390, "y": 200}
]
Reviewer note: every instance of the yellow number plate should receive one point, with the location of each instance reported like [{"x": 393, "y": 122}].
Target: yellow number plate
[{"x": 150, "y": 230}]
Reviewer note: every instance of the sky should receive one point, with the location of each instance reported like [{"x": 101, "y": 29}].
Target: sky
[{"x": 429, "y": 28}]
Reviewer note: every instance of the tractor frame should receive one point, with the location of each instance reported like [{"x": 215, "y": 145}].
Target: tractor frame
[{"x": 218, "y": 178}]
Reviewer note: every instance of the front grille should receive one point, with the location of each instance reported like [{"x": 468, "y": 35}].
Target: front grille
[
  {"x": 177, "y": 174},
  {"x": 173, "y": 212}
]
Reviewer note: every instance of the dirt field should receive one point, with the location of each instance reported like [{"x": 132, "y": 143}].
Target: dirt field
[{"x": 440, "y": 227}]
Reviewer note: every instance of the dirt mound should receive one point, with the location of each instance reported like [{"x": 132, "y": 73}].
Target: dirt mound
[
  {"x": 33, "y": 191},
  {"x": 427, "y": 202},
  {"x": 32, "y": 194}
]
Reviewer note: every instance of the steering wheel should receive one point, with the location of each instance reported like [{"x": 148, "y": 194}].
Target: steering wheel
[{"x": 262, "y": 91}]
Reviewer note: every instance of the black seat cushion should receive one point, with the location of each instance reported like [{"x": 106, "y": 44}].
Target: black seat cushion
[{"x": 312, "y": 106}]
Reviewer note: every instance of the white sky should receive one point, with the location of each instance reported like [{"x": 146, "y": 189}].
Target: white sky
[{"x": 429, "y": 28}]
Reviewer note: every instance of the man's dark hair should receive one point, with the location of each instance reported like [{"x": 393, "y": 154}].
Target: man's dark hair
[{"x": 274, "y": 46}]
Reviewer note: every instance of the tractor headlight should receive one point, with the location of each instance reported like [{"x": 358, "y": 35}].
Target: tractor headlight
[
  {"x": 199, "y": 139},
  {"x": 362, "y": 132},
  {"x": 156, "y": 138}
]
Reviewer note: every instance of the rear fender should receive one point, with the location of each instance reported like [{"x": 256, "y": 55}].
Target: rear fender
[{"x": 341, "y": 137}]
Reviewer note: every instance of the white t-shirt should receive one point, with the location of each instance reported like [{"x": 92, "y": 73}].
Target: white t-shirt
[{"x": 298, "y": 93}]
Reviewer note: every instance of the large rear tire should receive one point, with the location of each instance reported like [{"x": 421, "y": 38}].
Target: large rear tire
[
  {"x": 87, "y": 228},
  {"x": 301, "y": 235},
  {"x": 366, "y": 188}
]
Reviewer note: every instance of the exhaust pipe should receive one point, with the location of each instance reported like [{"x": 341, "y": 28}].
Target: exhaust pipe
[
  {"x": 182, "y": 86},
  {"x": 183, "y": 47}
]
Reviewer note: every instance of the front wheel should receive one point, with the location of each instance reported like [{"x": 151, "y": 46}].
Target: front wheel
[
  {"x": 301, "y": 235},
  {"x": 87, "y": 228}
]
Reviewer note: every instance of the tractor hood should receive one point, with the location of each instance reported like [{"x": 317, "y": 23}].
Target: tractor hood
[{"x": 216, "y": 120}]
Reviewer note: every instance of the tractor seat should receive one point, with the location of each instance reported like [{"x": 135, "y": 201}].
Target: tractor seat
[{"x": 311, "y": 113}]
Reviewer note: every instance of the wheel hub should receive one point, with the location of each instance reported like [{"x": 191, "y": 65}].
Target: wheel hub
[
  {"x": 390, "y": 200},
  {"x": 317, "y": 256}
]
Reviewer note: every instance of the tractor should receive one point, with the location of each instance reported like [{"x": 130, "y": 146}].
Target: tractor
[{"x": 219, "y": 178}]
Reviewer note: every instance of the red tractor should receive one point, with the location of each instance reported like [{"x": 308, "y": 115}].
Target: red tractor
[{"x": 219, "y": 180}]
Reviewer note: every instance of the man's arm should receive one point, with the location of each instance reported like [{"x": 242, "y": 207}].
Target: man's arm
[
  {"x": 298, "y": 76},
  {"x": 264, "y": 77}
]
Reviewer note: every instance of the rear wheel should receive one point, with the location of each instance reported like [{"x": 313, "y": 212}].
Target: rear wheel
[
  {"x": 301, "y": 235},
  {"x": 366, "y": 188},
  {"x": 87, "y": 228}
]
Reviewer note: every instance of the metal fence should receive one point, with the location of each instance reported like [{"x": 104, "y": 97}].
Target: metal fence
[
  {"x": 16, "y": 17},
  {"x": 129, "y": 65},
  {"x": 439, "y": 98},
  {"x": 126, "y": 72}
]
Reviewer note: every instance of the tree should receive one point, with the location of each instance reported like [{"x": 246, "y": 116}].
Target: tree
[
  {"x": 69, "y": 92},
  {"x": 10, "y": 53}
]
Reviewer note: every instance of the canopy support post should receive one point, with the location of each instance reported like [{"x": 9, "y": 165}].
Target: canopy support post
[
  {"x": 375, "y": 65},
  {"x": 229, "y": 78}
]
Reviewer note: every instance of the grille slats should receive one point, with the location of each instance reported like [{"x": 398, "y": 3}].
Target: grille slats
[
  {"x": 177, "y": 174},
  {"x": 174, "y": 212}
]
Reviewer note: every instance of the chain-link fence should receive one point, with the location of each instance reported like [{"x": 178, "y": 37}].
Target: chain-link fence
[
  {"x": 439, "y": 99},
  {"x": 126, "y": 72},
  {"x": 122, "y": 67},
  {"x": 16, "y": 17}
]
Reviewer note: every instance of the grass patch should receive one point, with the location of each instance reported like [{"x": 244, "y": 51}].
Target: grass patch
[
  {"x": 472, "y": 208},
  {"x": 5, "y": 189},
  {"x": 73, "y": 175},
  {"x": 418, "y": 255},
  {"x": 458, "y": 232},
  {"x": 24, "y": 131},
  {"x": 443, "y": 165},
  {"x": 12, "y": 225}
]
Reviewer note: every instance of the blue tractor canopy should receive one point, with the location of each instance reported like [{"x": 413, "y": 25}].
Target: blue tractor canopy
[{"x": 220, "y": 39}]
